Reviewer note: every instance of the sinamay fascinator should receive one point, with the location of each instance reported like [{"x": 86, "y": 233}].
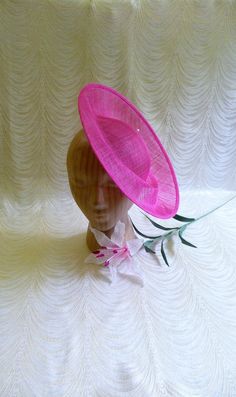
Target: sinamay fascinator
[
  {"x": 133, "y": 156},
  {"x": 129, "y": 150}
]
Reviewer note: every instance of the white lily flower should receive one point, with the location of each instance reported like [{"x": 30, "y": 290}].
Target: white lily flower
[{"x": 117, "y": 254}]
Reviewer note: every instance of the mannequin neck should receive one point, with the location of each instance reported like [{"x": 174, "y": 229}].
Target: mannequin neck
[{"x": 92, "y": 242}]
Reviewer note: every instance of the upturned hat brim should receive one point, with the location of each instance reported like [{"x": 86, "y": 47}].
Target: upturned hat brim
[{"x": 129, "y": 150}]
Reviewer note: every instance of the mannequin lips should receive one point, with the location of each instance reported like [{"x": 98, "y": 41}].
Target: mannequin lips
[
  {"x": 99, "y": 210},
  {"x": 100, "y": 214},
  {"x": 101, "y": 217}
]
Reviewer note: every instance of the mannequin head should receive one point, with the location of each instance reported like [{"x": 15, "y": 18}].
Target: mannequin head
[{"x": 94, "y": 191}]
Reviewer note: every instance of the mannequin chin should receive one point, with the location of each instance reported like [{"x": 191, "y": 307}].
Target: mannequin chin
[{"x": 98, "y": 197}]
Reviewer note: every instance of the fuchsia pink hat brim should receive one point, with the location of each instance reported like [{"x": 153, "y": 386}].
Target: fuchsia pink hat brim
[{"x": 129, "y": 150}]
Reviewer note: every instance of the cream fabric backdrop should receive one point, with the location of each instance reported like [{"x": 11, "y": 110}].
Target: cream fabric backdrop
[{"x": 63, "y": 330}]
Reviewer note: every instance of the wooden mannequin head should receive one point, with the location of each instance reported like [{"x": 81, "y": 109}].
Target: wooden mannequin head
[{"x": 98, "y": 197}]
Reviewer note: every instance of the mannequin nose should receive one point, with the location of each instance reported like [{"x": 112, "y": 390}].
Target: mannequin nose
[{"x": 98, "y": 196}]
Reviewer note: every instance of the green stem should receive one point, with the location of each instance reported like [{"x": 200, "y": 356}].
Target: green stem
[
  {"x": 195, "y": 220},
  {"x": 214, "y": 209}
]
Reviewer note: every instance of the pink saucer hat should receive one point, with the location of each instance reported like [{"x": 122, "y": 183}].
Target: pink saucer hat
[{"x": 129, "y": 150}]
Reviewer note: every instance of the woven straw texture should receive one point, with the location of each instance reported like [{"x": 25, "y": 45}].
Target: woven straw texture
[{"x": 129, "y": 150}]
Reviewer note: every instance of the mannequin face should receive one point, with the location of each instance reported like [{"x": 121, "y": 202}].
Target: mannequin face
[{"x": 94, "y": 191}]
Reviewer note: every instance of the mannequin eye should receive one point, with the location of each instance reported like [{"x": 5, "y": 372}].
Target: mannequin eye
[
  {"x": 114, "y": 186},
  {"x": 111, "y": 185}
]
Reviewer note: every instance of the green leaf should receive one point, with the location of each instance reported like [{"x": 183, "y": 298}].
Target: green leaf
[
  {"x": 183, "y": 218},
  {"x": 148, "y": 243},
  {"x": 158, "y": 238},
  {"x": 185, "y": 241},
  {"x": 160, "y": 226},
  {"x": 147, "y": 249},
  {"x": 147, "y": 246},
  {"x": 142, "y": 234},
  {"x": 163, "y": 253}
]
